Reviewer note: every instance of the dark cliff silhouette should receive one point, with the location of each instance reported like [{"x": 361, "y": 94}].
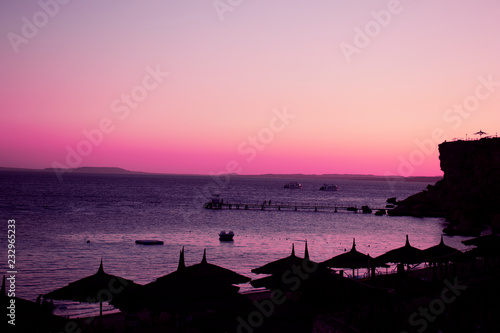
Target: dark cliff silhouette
[{"x": 468, "y": 196}]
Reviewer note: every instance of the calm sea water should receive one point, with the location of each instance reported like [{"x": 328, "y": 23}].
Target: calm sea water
[{"x": 54, "y": 221}]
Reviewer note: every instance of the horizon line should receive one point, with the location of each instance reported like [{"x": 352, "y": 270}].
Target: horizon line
[{"x": 120, "y": 169}]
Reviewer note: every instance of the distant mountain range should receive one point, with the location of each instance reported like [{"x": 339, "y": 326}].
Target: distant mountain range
[
  {"x": 106, "y": 170},
  {"x": 116, "y": 170}
]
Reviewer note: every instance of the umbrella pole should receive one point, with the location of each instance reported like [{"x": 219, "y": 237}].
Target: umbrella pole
[{"x": 100, "y": 315}]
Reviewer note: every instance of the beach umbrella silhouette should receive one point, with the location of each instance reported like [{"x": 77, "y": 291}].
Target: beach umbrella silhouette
[
  {"x": 36, "y": 317},
  {"x": 209, "y": 271},
  {"x": 486, "y": 246},
  {"x": 285, "y": 272},
  {"x": 281, "y": 265},
  {"x": 353, "y": 259},
  {"x": 487, "y": 241},
  {"x": 406, "y": 254},
  {"x": 97, "y": 288},
  {"x": 441, "y": 253},
  {"x": 194, "y": 287},
  {"x": 324, "y": 286}
]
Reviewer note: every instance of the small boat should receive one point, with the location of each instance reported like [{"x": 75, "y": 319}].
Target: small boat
[
  {"x": 293, "y": 185},
  {"x": 226, "y": 237},
  {"x": 329, "y": 187},
  {"x": 148, "y": 242}
]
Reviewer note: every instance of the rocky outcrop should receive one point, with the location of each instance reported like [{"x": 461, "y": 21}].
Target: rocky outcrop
[{"x": 468, "y": 196}]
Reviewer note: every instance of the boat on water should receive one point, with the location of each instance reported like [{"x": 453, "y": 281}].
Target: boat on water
[
  {"x": 148, "y": 242},
  {"x": 293, "y": 185},
  {"x": 226, "y": 236},
  {"x": 329, "y": 187}
]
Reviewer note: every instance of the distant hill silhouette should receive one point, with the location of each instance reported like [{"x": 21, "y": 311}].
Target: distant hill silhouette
[
  {"x": 117, "y": 170},
  {"x": 102, "y": 170}
]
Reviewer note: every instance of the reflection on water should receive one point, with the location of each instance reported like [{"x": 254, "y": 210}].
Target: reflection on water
[{"x": 64, "y": 229}]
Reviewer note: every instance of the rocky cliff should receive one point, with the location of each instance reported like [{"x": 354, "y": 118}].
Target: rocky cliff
[{"x": 468, "y": 196}]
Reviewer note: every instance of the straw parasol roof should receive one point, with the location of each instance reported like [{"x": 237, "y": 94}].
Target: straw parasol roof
[
  {"x": 281, "y": 265},
  {"x": 95, "y": 288},
  {"x": 441, "y": 253},
  {"x": 353, "y": 259},
  {"x": 406, "y": 254},
  {"x": 31, "y": 316},
  {"x": 486, "y": 246},
  {"x": 487, "y": 241},
  {"x": 213, "y": 272},
  {"x": 194, "y": 287}
]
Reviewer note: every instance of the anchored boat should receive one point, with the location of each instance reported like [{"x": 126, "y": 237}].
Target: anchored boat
[
  {"x": 329, "y": 187},
  {"x": 293, "y": 185},
  {"x": 148, "y": 242},
  {"x": 226, "y": 237}
]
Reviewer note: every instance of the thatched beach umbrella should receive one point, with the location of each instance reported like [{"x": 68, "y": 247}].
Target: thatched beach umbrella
[
  {"x": 440, "y": 253},
  {"x": 403, "y": 255},
  {"x": 281, "y": 265},
  {"x": 487, "y": 247},
  {"x": 31, "y": 316},
  {"x": 94, "y": 289},
  {"x": 353, "y": 259},
  {"x": 193, "y": 288},
  {"x": 208, "y": 271},
  {"x": 289, "y": 273},
  {"x": 488, "y": 241}
]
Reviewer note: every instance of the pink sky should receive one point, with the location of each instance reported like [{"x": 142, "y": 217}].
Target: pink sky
[{"x": 232, "y": 70}]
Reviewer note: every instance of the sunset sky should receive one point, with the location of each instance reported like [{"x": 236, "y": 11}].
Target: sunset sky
[{"x": 314, "y": 87}]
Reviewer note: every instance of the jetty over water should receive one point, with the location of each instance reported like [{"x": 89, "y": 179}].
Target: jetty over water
[{"x": 295, "y": 207}]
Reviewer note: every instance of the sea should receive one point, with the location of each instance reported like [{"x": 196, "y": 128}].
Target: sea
[{"x": 65, "y": 227}]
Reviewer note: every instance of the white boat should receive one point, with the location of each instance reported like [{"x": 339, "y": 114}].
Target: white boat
[
  {"x": 329, "y": 187},
  {"x": 226, "y": 237},
  {"x": 293, "y": 185}
]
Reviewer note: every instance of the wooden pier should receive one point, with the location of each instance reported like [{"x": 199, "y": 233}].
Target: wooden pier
[{"x": 296, "y": 207}]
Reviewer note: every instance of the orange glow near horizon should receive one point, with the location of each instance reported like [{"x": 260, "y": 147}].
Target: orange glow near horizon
[{"x": 171, "y": 88}]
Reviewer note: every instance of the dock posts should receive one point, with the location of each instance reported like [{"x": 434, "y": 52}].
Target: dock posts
[
  {"x": 279, "y": 207},
  {"x": 335, "y": 211},
  {"x": 262, "y": 207},
  {"x": 229, "y": 206},
  {"x": 246, "y": 206},
  {"x": 295, "y": 208},
  {"x": 315, "y": 209}
]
